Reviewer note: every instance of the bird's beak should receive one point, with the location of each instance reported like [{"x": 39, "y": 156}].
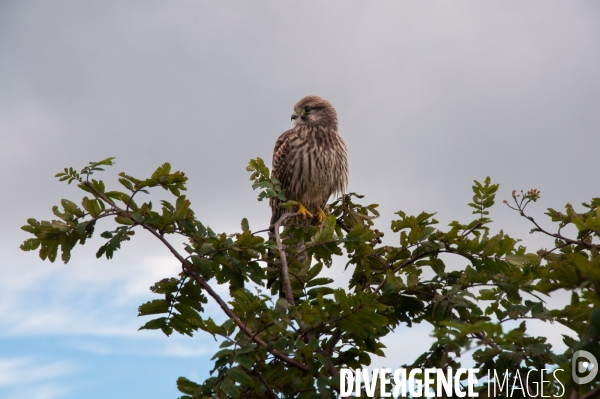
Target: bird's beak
[{"x": 295, "y": 116}]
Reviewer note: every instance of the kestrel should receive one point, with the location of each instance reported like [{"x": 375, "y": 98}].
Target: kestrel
[{"x": 310, "y": 159}]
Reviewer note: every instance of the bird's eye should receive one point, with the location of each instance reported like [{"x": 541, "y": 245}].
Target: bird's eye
[{"x": 307, "y": 108}]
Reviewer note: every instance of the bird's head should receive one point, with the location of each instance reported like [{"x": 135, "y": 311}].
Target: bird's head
[{"x": 314, "y": 110}]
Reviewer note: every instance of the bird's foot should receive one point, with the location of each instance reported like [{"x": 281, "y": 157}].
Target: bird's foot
[
  {"x": 320, "y": 215},
  {"x": 304, "y": 211}
]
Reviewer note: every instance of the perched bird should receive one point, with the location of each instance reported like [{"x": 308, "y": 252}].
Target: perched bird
[{"x": 310, "y": 161}]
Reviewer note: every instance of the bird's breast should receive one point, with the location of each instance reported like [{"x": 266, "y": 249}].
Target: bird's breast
[{"x": 319, "y": 167}]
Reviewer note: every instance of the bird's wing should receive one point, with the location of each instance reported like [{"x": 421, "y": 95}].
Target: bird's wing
[
  {"x": 279, "y": 170},
  {"x": 280, "y": 157}
]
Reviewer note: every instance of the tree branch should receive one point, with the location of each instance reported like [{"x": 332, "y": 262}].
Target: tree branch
[
  {"x": 595, "y": 393},
  {"x": 521, "y": 209},
  {"x": 190, "y": 270},
  {"x": 287, "y": 286},
  {"x": 270, "y": 391},
  {"x": 328, "y": 352}
]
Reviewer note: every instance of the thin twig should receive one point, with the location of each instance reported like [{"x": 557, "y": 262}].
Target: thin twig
[
  {"x": 560, "y": 237},
  {"x": 466, "y": 233},
  {"x": 553, "y": 249},
  {"x": 270, "y": 391},
  {"x": 306, "y": 248},
  {"x": 521, "y": 210},
  {"x": 260, "y": 231},
  {"x": 323, "y": 324},
  {"x": 403, "y": 264},
  {"x": 487, "y": 340}
]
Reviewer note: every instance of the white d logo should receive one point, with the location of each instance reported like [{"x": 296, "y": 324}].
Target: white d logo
[{"x": 580, "y": 366}]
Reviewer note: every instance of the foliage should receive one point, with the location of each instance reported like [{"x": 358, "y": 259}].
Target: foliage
[{"x": 271, "y": 346}]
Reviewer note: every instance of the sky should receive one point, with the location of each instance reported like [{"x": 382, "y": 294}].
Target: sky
[{"x": 429, "y": 95}]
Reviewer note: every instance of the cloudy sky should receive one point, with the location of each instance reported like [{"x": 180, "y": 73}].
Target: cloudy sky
[{"x": 430, "y": 95}]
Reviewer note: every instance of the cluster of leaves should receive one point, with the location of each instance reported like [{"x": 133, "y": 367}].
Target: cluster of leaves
[
  {"x": 271, "y": 346},
  {"x": 269, "y": 186}
]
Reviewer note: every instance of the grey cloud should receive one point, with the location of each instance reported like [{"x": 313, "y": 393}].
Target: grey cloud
[{"x": 430, "y": 96}]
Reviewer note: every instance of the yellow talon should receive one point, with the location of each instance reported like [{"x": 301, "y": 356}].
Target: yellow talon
[
  {"x": 320, "y": 215},
  {"x": 304, "y": 211}
]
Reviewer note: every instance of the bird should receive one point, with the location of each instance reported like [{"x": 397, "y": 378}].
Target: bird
[{"x": 310, "y": 161}]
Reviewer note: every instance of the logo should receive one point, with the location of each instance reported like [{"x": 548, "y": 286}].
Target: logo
[{"x": 579, "y": 366}]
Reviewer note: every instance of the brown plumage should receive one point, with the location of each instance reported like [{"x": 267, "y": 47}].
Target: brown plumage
[{"x": 310, "y": 159}]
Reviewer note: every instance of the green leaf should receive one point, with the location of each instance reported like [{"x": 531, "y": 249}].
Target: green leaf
[
  {"x": 125, "y": 221},
  {"x": 245, "y": 226},
  {"x": 154, "y": 324},
  {"x": 328, "y": 229},
  {"x": 205, "y": 248},
  {"x": 516, "y": 259},
  {"x": 511, "y": 290},
  {"x": 241, "y": 377},
  {"x": 314, "y": 271},
  {"x": 281, "y": 343},
  {"x": 230, "y": 389},
  {"x": 412, "y": 280},
  {"x": 154, "y": 306},
  {"x": 186, "y": 386},
  {"x": 30, "y": 244},
  {"x": 319, "y": 281},
  {"x": 287, "y": 204},
  {"x": 126, "y": 183}
]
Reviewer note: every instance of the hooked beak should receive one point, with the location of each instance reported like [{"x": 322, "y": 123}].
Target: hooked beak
[{"x": 295, "y": 116}]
